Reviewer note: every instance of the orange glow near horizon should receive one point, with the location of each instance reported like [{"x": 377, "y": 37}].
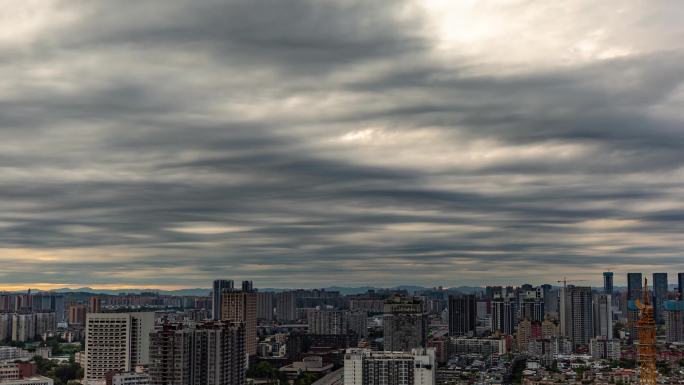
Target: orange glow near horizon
[{"x": 54, "y": 286}]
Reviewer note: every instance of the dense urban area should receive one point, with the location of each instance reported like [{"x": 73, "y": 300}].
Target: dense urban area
[{"x": 560, "y": 333}]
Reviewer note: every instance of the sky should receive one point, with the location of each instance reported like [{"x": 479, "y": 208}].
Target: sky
[{"x": 302, "y": 143}]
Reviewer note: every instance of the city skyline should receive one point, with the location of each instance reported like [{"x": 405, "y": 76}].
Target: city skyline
[{"x": 149, "y": 144}]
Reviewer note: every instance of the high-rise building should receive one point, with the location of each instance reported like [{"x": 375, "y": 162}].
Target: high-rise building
[
  {"x": 608, "y": 282},
  {"x": 405, "y": 324},
  {"x": 504, "y": 313},
  {"x": 604, "y": 348},
  {"x": 23, "y": 327},
  {"x": 358, "y": 323},
  {"x": 603, "y": 316},
  {"x": 674, "y": 320},
  {"x": 576, "y": 314},
  {"x": 462, "y": 315},
  {"x": 328, "y": 321},
  {"x": 45, "y": 322},
  {"x": 527, "y": 331},
  {"x": 220, "y": 285},
  {"x": 532, "y": 304},
  {"x": 77, "y": 315},
  {"x": 5, "y": 326},
  {"x": 680, "y": 285},
  {"x": 549, "y": 329},
  {"x": 632, "y": 320},
  {"x": 286, "y": 306},
  {"x": 366, "y": 367},
  {"x": 659, "y": 294},
  {"x": 116, "y": 342},
  {"x": 265, "y": 305},
  {"x": 240, "y": 306},
  {"x": 211, "y": 353},
  {"x": 634, "y": 286},
  {"x": 95, "y": 305}
]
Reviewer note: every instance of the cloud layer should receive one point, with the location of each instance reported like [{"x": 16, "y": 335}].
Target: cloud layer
[{"x": 304, "y": 143}]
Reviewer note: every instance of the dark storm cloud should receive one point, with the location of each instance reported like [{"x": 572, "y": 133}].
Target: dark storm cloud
[{"x": 151, "y": 143}]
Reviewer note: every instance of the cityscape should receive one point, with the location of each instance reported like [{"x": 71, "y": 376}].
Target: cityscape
[
  {"x": 237, "y": 334},
  {"x": 341, "y": 192}
]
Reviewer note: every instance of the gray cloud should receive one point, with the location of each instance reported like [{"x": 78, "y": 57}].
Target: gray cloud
[{"x": 147, "y": 143}]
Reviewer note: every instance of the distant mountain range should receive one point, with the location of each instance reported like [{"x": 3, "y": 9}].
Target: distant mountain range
[
  {"x": 205, "y": 292},
  {"x": 342, "y": 289}
]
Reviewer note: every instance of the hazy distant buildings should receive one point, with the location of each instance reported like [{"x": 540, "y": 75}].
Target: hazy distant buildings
[
  {"x": 576, "y": 314},
  {"x": 116, "y": 342},
  {"x": 405, "y": 324},
  {"x": 462, "y": 315}
]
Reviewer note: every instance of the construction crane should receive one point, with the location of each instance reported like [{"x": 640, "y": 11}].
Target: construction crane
[
  {"x": 565, "y": 281},
  {"x": 647, "y": 339}
]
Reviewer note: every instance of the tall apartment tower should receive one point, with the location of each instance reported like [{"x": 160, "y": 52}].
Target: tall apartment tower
[
  {"x": 504, "y": 313},
  {"x": 680, "y": 285},
  {"x": 5, "y": 326},
  {"x": 405, "y": 324},
  {"x": 659, "y": 294},
  {"x": 366, "y": 367},
  {"x": 77, "y": 315},
  {"x": 328, "y": 321},
  {"x": 265, "y": 304},
  {"x": 241, "y": 306},
  {"x": 608, "y": 282},
  {"x": 532, "y": 305},
  {"x": 286, "y": 306},
  {"x": 209, "y": 353},
  {"x": 220, "y": 285},
  {"x": 462, "y": 315},
  {"x": 603, "y": 316},
  {"x": 576, "y": 314},
  {"x": 95, "y": 305},
  {"x": 116, "y": 342},
  {"x": 674, "y": 320},
  {"x": 23, "y": 327},
  {"x": 634, "y": 286}
]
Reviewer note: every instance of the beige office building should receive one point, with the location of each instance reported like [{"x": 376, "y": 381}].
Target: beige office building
[{"x": 116, "y": 342}]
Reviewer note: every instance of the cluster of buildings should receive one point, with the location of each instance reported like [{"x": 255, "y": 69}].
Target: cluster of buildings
[{"x": 390, "y": 337}]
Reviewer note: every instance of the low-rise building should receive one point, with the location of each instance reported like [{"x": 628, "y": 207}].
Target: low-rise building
[{"x": 366, "y": 367}]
